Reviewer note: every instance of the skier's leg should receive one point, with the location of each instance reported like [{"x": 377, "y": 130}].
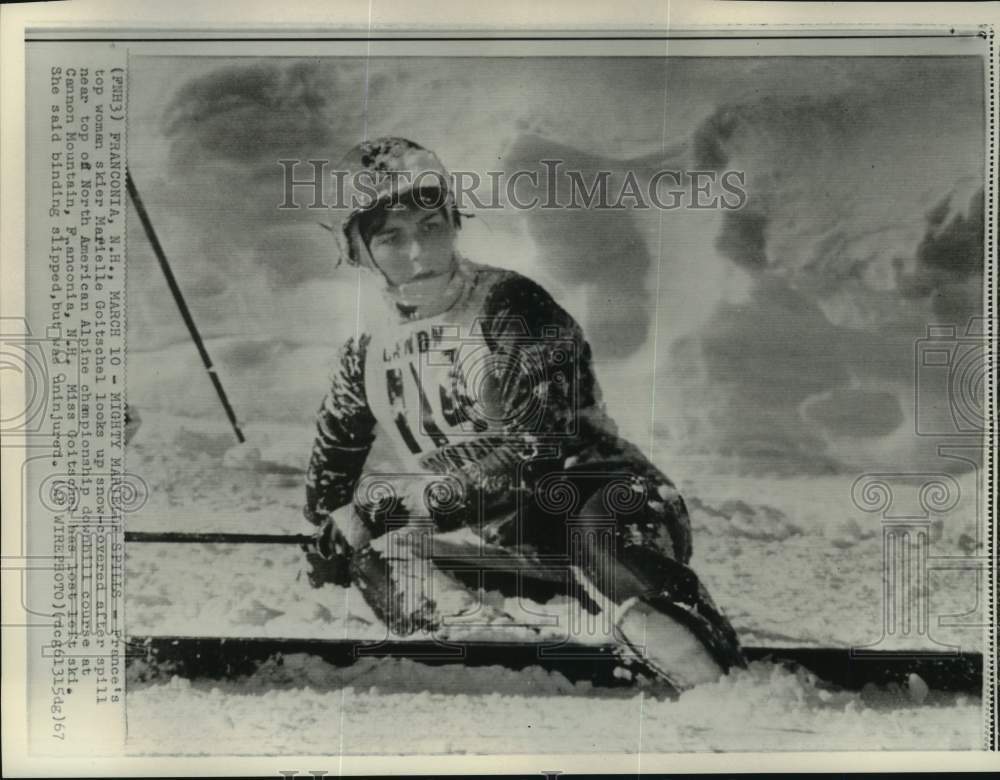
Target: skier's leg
[
  {"x": 660, "y": 606},
  {"x": 664, "y": 610},
  {"x": 402, "y": 569},
  {"x": 395, "y": 577}
]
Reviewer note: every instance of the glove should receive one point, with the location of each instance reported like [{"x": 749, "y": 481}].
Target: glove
[{"x": 328, "y": 555}]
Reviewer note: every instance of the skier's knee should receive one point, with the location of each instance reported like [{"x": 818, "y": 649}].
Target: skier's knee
[{"x": 672, "y": 518}]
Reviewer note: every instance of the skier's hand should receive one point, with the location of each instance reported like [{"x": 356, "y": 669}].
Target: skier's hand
[{"x": 328, "y": 555}]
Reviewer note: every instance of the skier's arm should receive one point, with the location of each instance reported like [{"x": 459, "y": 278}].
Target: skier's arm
[{"x": 344, "y": 435}]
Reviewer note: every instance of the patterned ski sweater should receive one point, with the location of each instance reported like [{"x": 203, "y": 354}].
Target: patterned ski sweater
[{"x": 494, "y": 392}]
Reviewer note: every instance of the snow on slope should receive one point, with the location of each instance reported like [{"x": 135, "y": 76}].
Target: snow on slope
[
  {"x": 791, "y": 560},
  {"x": 386, "y": 706}
]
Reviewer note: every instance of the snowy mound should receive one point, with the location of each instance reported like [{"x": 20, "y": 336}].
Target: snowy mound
[{"x": 304, "y": 705}]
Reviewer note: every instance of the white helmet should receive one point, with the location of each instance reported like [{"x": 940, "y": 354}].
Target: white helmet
[{"x": 378, "y": 172}]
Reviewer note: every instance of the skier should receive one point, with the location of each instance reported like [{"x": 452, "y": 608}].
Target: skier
[{"x": 484, "y": 385}]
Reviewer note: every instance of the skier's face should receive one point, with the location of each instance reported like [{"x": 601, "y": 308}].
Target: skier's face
[{"x": 414, "y": 248}]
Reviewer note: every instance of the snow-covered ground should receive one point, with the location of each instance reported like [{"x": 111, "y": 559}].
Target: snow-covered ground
[
  {"x": 791, "y": 560},
  {"x": 399, "y": 706}
]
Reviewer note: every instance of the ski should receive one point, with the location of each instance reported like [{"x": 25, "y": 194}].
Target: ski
[{"x": 847, "y": 668}]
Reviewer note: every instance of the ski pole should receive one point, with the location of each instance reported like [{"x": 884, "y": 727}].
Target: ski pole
[
  {"x": 161, "y": 256},
  {"x": 215, "y": 537}
]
